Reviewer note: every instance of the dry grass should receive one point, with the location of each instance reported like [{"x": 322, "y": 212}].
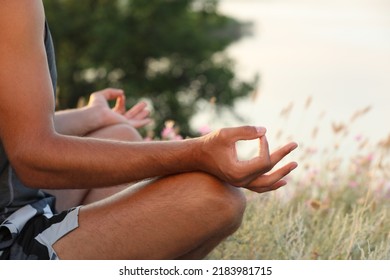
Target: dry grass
[
  {"x": 334, "y": 224},
  {"x": 335, "y": 207}
]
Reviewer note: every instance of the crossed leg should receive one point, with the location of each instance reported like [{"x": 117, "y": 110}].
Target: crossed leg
[
  {"x": 182, "y": 216},
  {"x": 66, "y": 199}
]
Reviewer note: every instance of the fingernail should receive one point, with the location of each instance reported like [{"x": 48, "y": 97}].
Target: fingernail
[
  {"x": 261, "y": 130},
  {"x": 283, "y": 183},
  {"x": 295, "y": 165},
  {"x": 293, "y": 147}
]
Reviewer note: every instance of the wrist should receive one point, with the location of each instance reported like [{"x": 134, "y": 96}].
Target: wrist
[
  {"x": 94, "y": 118},
  {"x": 195, "y": 157}
]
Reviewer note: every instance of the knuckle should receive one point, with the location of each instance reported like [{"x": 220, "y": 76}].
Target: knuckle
[{"x": 223, "y": 132}]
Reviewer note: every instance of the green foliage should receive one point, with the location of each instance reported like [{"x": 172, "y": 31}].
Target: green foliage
[{"x": 167, "y": 51}]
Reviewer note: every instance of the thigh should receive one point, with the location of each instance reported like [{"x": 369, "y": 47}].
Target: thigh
[
  {"x": 66, "y": 199},
  {"x": 160, "y": 219}
]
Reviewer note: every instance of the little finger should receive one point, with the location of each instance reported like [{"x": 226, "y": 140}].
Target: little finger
[{"x": 268, "y": 180}]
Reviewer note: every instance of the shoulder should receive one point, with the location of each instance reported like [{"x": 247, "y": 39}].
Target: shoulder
[{"x": 21, "y": 20}]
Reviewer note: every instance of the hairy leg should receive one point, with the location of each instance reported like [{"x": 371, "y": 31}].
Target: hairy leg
[
  {"x": 182, "y": 216},
  {"x": 120, "y": 132}
]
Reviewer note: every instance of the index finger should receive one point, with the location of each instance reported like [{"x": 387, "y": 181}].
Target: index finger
[
  {"x": 264, "y": 163},
  {"x": 243, "y": 133},
  {"x": 263, "y": 156},
  {"x": 257, "y": 165},
  {"x": 112, "y": 93}
]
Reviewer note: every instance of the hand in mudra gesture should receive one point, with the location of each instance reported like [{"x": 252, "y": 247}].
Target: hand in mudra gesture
[
  {"x": 256, "y": 174},
  {"x": 137, "y": 116}
]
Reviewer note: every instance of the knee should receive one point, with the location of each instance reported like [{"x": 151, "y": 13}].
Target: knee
[
  {"x": 126, "y": 133},
  {"x": 121, "y": 132},
  {"x": 222, "y": 204}
]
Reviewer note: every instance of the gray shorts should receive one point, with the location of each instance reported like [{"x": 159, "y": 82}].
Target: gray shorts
[{"x": 30, "y": 232}]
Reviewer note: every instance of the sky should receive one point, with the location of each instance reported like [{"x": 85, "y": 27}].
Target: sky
[{"x": 325, "y": 64}]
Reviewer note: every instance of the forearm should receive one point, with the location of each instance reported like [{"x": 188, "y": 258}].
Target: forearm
[{"x": 73, "y": 162}]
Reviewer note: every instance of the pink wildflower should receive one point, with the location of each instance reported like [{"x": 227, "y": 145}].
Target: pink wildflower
[
  {"x": 358, "y": 138},
  {"x": 204, "y": 130},
  {"x": 168, "y": 133},
  {"x": 353, "y": 184},
  {"x": 370, "y": 157}
]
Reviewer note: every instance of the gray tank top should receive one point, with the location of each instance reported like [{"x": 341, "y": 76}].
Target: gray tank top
[{"x": 13, "y": 194}]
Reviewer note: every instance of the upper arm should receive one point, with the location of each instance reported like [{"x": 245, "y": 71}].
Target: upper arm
[{"x": 26, "y": 98}]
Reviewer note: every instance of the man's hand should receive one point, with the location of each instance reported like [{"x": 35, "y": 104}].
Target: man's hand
[
  {"x": 219, "y": 156},
  {"x": 274, "y": 180},
  {"x": 137, "y": 116}
]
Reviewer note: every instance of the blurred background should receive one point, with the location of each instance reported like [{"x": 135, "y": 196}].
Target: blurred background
[
  {"x": 324, "y": 68},
  {"x": 316, "y": 72}
]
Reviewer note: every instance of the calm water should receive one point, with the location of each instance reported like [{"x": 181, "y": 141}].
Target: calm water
[{"x": 320, "y": 63}]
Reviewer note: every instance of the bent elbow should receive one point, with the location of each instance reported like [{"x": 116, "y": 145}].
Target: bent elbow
[
  {"x": 25, "y": 171},
  {"x": 31, "y": 164}
]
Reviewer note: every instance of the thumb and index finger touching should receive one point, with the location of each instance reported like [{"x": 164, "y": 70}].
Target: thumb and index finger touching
[
  {"x": 252, "y": 133},
  {"x": 264, "y": 161},
  {"x": 244, "y": 133},
  {"x": 118, "y": 95}
]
